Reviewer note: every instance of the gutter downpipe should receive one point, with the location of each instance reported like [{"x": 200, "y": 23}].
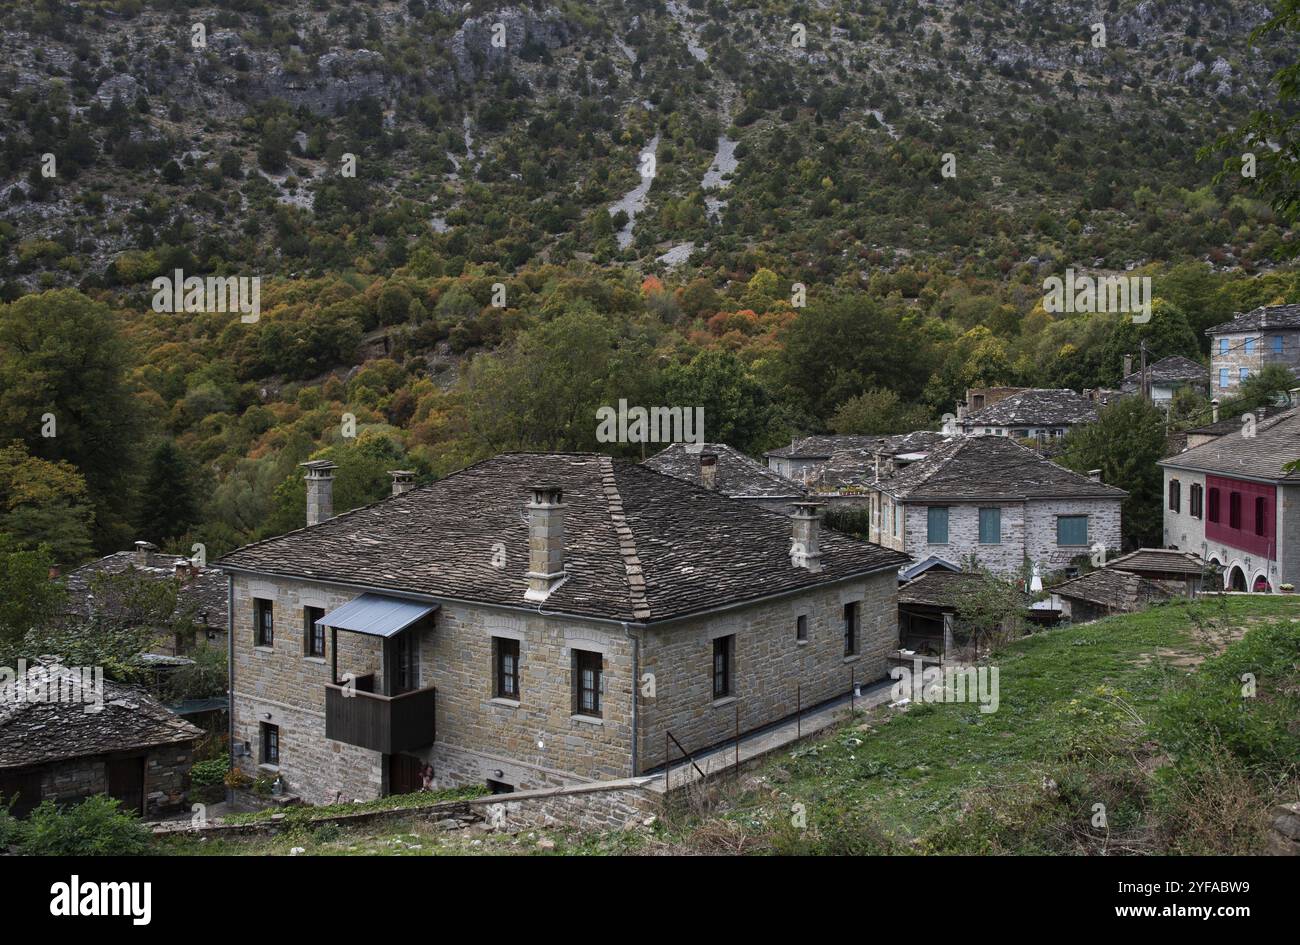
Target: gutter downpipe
[
  {"x": 636, "y": 693},
  {"x": 230, "y": 674}
]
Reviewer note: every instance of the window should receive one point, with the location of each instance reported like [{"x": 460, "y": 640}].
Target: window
[
  {"x": 1259, "y": 515},
  {"x": 1195, "y": 498},
  {"x": 1175, "y": 495},
  {"x": 588, "y": 681},
  {"x": 506, "y": 657},
  {"x": 1072, "y": 529},
  {"x": 1243, "y": 373},
  {"x": 264, "y": 622},
  {"x": 1223, "y": 377},
  {"x": 801, "y": 628},
  {"x": 1277, "y": 344},
  {"x": 1214, "y": 505},
  {"x": 851, "y": 620},
  {"x": 990, "y": 526},
  {"x": 270, "y": 744},
  {"x": 313, "y": 636},
  {"x": 1234, "y": 510},
  {"x": 407, "y": 667},
  {"x": 1223, "y": 346},
  {"x": 1250, "y": 345},
  {"x": 937, "y": 525},
  {"x": 723, "y": 648}
]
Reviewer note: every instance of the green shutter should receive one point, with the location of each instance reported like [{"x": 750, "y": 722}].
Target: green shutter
[
  {"x": 1072, "y": 530},
  {"x": 937, "y": 525},
  {"x": 990, "y": 526}
]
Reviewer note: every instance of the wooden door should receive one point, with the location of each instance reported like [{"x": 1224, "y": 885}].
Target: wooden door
[
  {"x": 23, "y": 789},
  {"x": 126, "y": 783},
  {"x": 405, "y": 774}
]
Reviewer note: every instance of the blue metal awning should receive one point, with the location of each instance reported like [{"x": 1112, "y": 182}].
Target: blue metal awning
[{"x": 376, "y": 615}]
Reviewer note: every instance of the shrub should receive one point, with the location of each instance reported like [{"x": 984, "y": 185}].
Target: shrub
[
  {"x": 95, "y": 827},
  {"x": 207, "y": 773}
]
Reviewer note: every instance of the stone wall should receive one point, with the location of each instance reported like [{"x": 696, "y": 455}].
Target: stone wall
[
  {"x": 1040, "y": 529},
  {"x": 1237, "y": 357},
  {"x": 772, "y": 669},
  {"x": 606, "y": 806},
  {"x": 1005, "y": 558},
  {"x": 166, "y": 779}
]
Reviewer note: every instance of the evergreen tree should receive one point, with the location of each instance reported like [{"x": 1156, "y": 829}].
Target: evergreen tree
[{"x": 169, "y": 503}]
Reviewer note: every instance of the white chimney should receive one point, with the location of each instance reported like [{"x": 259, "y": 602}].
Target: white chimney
[
  {"x": 545, "y": 542},
  {"x": 805, "y": 547},
  {"x": 320, "y": 490},
  {"x": 403, "y": 480},
  {"x": 1214, "y": 411},
  {"x": 1094, "y": 475},
  {"x": 709, "y": 470},
  {"x": 143, "y": 552}
]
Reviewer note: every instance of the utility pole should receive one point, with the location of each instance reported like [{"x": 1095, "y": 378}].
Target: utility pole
[{"x": 1146, "y": 391}]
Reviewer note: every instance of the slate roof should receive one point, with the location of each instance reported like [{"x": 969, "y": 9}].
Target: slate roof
[
  {"x": 1111, "y": 588},
  {"x": 205, "y": 594},
  {"x": 640, "y": 546},
  {"x": 37, "y": 732},
  {"x": 991, "y": 467},
  {"x": 1169, "y": 370},
  {"x": 738, "y": 476},
  {"x": 1266, "y": 316},
  {"x": 1036, "y": 407},
  {"x": 1276, "y": 442},
  {"x": 941, "y": 588},
  {"x": 848, "y": 468},
  {"x": 822, "y": 446},
  {"x": 1164, "y": 560}
]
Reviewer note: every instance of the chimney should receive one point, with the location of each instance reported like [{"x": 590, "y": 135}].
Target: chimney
[
  {"x": 1260, "y": 412},
  {"x": 805, "y": 548},
  {"x": 1094, "y": 475},
  {"x": 545, "y": 542},
  {"x": 143, "y": 550},
  {"x": 1214, "y": 411},
  {"x": 709, "y": 470},
  {"x": 961, "y": 412},
  {"x": 320, "y": 490},
  {"x": 1128, "y": 364},
  {"x": 182, "y": 570},
  {"x": 403, "y": 480}
]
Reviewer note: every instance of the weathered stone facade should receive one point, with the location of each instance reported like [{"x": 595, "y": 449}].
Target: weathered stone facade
[
  {"x": 537, "y": 740},
  {"x": 1250, "y": 351},
  {"x": 166, "y": 779}
]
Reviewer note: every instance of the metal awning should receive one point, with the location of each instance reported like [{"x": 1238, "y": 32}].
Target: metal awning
[{"x": 376, "y": 615}]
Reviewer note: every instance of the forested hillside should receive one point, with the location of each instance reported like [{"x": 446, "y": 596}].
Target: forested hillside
[{"x": 474, "y": 224}]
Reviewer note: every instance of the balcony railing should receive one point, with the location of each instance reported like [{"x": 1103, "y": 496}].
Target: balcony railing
[{"x": 388, "y": 724}]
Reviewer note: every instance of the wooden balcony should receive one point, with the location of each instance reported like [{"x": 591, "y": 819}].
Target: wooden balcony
[{"x": 388, "y": 724}]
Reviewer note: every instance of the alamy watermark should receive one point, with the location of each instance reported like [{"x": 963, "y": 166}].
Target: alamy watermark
[
  {"x": 1084, "y": 293},
  {"x": 52, "y": 683},
  {"x": 626, "y": 424},
  {"x": 939, "y": 684},
  {"x": 180, "y": 293}
]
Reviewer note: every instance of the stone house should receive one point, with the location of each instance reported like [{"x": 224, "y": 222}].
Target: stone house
[
  {"x": 62, "y": 741},
  {"x": 991, "y": 498},
  {"x": 1165, "y": 378},
  {"x": 200, "y": 597},
  {"x": 1231, "y": 501},
  {"x": 1250, "y": 341},
  {"x": 730, "y": 472},
  {"x": 1029, "y": 414},
  {"x": 804, "y": 457},
  {"x": 1106, "y": 591},
  {"x": 537, "y": 620}
]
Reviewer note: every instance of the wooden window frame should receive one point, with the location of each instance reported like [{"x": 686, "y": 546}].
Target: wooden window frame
[
  {"x": 313, "y": 637},
  {"x": 504, "y": 648},
  {"x": 583, "y": 661},
  {"x": 724, "y": 676},
  {"x": 1196, "y": 501},
  {"x": 1261, "y": 509},
  {"x": 269, "y": 744},
  {"x": 852, "y": 627},
  {"x": 263, "y": 630},
  {"x": 1215, "y": 506},
  {"x": 1175, "y": 495},
  {"x": 801, "y": 628},
  {"x": 1234, "y": 510}
]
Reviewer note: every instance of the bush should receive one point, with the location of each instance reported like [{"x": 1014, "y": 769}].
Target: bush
[
  {"x": 10, "y": 827},
  {"x": 95, "y": 827},
  {"x": 207, "y": 773}
]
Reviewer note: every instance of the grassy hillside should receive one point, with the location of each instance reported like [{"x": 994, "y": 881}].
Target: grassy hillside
[{"x": 1142, "y": 713}]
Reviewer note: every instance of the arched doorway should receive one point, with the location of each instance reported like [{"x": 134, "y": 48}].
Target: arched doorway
[
  {"x": 1236, "y": 579},
  {"x": 1260, "y": 585}
]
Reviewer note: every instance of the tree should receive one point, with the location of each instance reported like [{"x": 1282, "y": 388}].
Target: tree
[
  {"x": 1167, "y": 333},
  {"x": 28, "y": 598},
  {"x": 1267, "y": 387},
  {"x": 44, "y": 504},
  {"x": 735, "y": 404},
  {"x": 63, "y": 371},
  {"x": 1126, "y": 443},
  {"x": 169, "y": 501},
  {"x": 878, "y": 411}
]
